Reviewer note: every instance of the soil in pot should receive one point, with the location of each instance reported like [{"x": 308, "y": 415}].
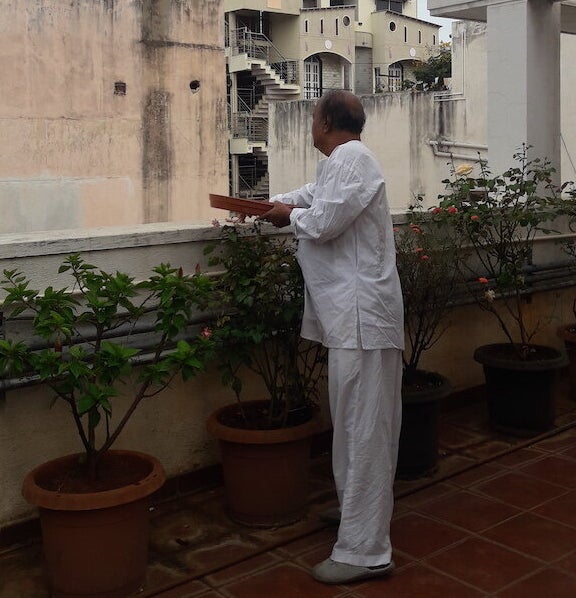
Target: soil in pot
[{"x": 95, "y": 543}]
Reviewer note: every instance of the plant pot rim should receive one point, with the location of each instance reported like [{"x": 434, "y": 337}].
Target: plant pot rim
[
  {"x": 62, "y": 501},
  {"x": 491, "y": 356},
  {"x": 430, "y": 394},
  {"x": 567, "y": 332},
  {"x": 243, "y": 436}
]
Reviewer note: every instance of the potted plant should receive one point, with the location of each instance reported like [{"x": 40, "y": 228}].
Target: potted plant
[
  {"x": 567, "y": 332},
  {"x": 497, "y": 219},
  {"x": 265, "y": 441},
  {"x": 82, "y": 344},
  {"x": 424, "y": 260}
]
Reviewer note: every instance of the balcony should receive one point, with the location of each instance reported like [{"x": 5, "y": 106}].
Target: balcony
[
  {"x": 497, "y": 519},
  {"x": 493, "y": 494}
]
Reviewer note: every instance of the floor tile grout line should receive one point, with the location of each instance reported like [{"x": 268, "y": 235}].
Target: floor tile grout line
[
  {"x": 479, "y": 536},
  {"x": 201, "y": 576},
  {"x": 408, "y": 492},
  {"x": 490, "y": 459},
  {"x": 475, "y": 587}
]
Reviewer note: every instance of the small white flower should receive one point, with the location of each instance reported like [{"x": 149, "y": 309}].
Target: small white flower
[{"x": 490, "y": 295}]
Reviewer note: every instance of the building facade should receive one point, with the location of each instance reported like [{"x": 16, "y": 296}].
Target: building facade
[
  {"x": 111, "y": 113},
  {"x": 299, "y": 49}
]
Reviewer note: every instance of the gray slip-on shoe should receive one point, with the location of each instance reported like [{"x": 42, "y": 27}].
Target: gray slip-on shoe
[
  {"x": 331, "y": 516},
  {"x": 330, "y": 571}
]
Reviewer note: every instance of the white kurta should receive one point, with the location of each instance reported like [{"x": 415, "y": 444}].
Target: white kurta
[
  {"x": 347, "y": 255},
  {"x": 354, "y": 307}
]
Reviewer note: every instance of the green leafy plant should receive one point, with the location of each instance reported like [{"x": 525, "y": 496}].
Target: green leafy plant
[
  {"x": 259, "y": 296},
  {"x": 495, "y": 220},
  {"x": 83, "y": 341},
  {"x": 425, "y": 261},
  {"x": 438, "y": 67}
]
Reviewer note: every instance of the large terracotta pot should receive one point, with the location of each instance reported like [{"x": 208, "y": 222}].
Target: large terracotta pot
[
  {"x": 266, "y": 472},
  {"x": 95, "y": 543},
  {"x": 418, "y": 447},
  {"x": 520, "y": 392}
]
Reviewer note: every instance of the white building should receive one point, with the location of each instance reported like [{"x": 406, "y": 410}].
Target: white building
[{"x": 298, "y": 49}]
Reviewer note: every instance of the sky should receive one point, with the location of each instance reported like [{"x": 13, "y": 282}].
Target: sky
[{"x": 424, "y": 14}]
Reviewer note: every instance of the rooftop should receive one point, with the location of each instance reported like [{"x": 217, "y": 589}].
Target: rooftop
[{"x": 496, "y": 519}]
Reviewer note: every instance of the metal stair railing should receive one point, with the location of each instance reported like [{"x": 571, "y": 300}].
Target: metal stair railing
[
  {"x": 243, "y": 124},
  {"x": 253, "y": 128},
  {"x": 257, "y": 45}
]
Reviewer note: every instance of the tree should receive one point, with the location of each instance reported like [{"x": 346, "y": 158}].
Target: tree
[{"x": 439, "y": 66}]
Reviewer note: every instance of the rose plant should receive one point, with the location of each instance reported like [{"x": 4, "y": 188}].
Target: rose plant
[
  {"x": 259, "y": 300},
  {"x": 495, "y": 220},
  {"x": 425, "y": 261}
]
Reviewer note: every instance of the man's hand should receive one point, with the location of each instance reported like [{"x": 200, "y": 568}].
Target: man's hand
[{"x": 279, "y": 215}]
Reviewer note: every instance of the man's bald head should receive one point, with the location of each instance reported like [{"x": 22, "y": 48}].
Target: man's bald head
[{"x": 343, "y": 111}]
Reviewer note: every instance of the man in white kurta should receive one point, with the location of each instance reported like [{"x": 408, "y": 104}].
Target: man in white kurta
[{"x": 353, "y": 306}]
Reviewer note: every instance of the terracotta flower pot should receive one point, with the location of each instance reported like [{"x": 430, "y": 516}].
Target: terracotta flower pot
[
  {"x": 520, "y": 392},
  {"x": 95, "y": 543},
  {"x": 266, "y": 472}
]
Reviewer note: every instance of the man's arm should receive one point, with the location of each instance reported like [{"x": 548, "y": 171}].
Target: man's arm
[
  {"x": 279, "y": 215},
  {"x": 301, "y": 198}
]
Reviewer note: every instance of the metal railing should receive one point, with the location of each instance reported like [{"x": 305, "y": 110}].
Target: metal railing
[
  {"x": 254, "y": 128},
  {"x": 257, "y": 45}
]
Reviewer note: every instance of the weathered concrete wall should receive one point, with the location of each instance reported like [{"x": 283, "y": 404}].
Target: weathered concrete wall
[
  {"x": 399, "y": 128},
  {"x": 78, "y": 151},
  {"x": 171, "y": 426},
  {"x": 363, "y": 71}
]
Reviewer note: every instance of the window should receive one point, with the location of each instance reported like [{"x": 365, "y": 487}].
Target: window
[
  {"x": 405, "y": 34},
  {"x": 306, "y": 26},
  {"x": 312, "y": 78},
  {"x": 346, "y": 20},
  {"x": 392, "y": 5},
  {"x": 392, "y": 26},
  {"x": 433, "y": 40},
  {"x": 310, "y": 4},
  {"x": 336, "y": 27},
  {"x": 395, "y": 77},
  {"x": 321, "y": 25},
  {"x": 419, "y": 37}
]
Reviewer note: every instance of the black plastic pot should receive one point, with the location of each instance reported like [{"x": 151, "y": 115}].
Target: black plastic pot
[
  {"x": 520, "y": 391},
  {"x": 418, "y": 448}
]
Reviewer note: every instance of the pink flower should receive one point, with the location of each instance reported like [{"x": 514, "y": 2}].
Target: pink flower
[
  {"x": 483, "y": 280},
  {"x": 216, "y": 223},
  {"x": 436, "y": 210},
  {"x": 474, "y": 217},
  {"x": 419, "y": 249},
  {"x": 396, "y": 229},
  {"x": 424, "y": 257},
  {"x": 452, "y": 210},
  {"x": 416, "y": 229},
  {"x": 206, "y": 332}
]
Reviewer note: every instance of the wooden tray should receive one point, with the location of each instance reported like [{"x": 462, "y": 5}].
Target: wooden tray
[{"x": 250, "y": 207}]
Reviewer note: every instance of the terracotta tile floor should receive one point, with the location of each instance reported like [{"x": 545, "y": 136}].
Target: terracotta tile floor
[{"x": 498, "y": 519}]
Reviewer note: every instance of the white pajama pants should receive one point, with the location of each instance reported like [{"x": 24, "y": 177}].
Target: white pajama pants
[{"x": 364, "y": 388}]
